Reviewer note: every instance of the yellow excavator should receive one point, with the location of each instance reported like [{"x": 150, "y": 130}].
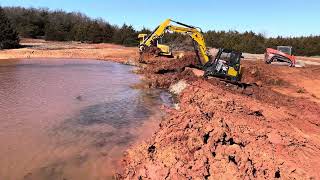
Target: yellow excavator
[
  {"x": 164, "y": 50},
  {"x": 226, "y": 63}
]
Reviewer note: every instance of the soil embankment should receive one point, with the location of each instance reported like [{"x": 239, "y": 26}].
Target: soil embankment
[
  {"x": 221, "y": 131},
  {"x": 218, "y": 131}
]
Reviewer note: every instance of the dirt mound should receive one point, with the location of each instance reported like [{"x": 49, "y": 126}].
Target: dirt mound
[
  {"x": 227, "y": 135},
  {"x": 260, "y": 74},
  {"x": 150, "y": 53},
  {"x": 162, "y": 72},
  {"x": 223, "y": 131}
]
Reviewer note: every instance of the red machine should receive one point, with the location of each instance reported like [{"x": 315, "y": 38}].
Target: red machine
[{"x": 281, "y": 54}]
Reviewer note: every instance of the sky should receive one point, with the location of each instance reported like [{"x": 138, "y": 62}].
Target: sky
[{"x": 269, "y": 17}]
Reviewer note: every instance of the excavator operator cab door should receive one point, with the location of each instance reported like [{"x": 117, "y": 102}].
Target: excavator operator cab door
[{"x": 234, "y": 70}]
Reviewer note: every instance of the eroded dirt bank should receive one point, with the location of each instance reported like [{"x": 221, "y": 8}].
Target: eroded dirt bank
[{"x": 221, "y": 131}]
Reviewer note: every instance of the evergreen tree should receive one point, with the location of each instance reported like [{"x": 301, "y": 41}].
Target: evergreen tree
[
  {"x": 8, "y": 35},
  {"x": 126, "y": 35}
]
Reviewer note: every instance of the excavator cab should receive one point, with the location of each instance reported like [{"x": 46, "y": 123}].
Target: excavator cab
[
  {"x": 164, "y": 50},
  {"x": 226, "y": 65},
  {"x": 142, "y": 37}
]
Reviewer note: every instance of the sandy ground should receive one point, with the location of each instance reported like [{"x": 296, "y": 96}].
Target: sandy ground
[
  {"x": 49, "y": 49},
  {"x": 217, "y": 130}
]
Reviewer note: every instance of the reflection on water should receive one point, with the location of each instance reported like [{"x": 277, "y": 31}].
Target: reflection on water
[{"x": 70, "y": 119}]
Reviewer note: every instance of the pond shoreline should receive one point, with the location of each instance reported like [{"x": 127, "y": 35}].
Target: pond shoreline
[
  {"x": 217, "y": 129},
  {"x": 74, "y": 109}
]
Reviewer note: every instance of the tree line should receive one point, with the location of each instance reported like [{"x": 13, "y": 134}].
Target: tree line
[
  {"x": 257, "y": 43},
  {"x": 63, "y": 26},
  {"x": 72, "y": 26}
]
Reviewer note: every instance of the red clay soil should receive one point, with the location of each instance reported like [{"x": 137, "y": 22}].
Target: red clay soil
[
  {"x": 222, "y": 131},
  {"x": 162, "y": 72}
]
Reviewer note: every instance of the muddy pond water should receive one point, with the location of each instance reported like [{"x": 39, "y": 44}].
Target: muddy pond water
[{"x": 71, "y": 119}]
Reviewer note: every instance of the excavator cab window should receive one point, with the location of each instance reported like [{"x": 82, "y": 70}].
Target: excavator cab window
[
  {"x": 155, "y": 43},
  {"x": 230, "y": 57},
  {"x": 226, "y": 65},
  {"x": 234, "y": 58},
  {"x": 142, "y": 37}
]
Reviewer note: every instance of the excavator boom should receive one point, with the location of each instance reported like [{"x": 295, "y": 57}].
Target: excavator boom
[
  {"x": 226, "y": 63},
  {"x": 194, "y": 32},
  {"x": 197, "y": 37},
  {"x": 157, "y": 33}
]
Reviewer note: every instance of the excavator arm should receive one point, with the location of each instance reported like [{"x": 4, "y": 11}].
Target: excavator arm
[
  {"x": 197, "y": 37},
  {"x": 194, "y": 32},
  {"x": 226, "y": 63},
  {"x": 155, "y": 35}
]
